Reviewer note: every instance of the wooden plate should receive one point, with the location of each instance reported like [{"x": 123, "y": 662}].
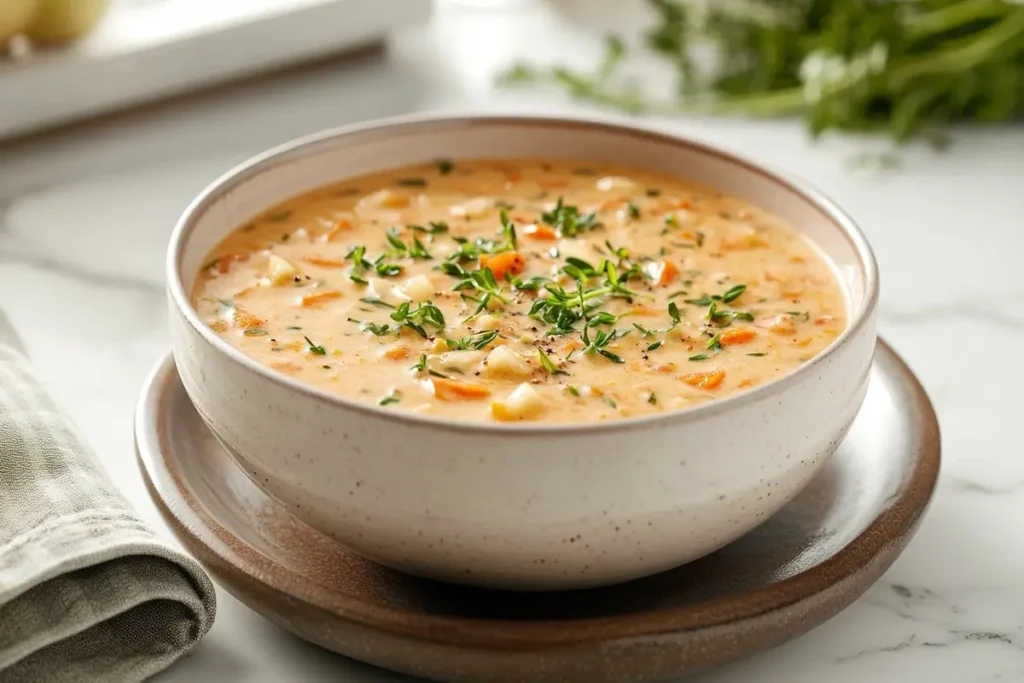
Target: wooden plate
[{"x": 794, "y": 572}]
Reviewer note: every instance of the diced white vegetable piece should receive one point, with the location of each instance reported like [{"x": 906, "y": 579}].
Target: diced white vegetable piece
[
  {"x": 418, "y": 288},
  {"x": 612, "y": 182},
  {"x": 384, "y": 199},
  {"x": 473, "y": 208},
  {"x": 522, "y": 404},
  {"x": 487, "y": 322},
  {"x": 504, "y": 362},
  {"x": 280, "y": 270},
  {"x": 463, "y": 361},
  {"x": 377, "y": 288}
]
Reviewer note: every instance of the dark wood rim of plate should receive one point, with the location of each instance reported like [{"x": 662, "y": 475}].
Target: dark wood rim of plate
[{"x": 860, "y": 562}]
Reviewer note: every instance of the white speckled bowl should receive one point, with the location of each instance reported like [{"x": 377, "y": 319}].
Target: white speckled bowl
[{"x": 521, "y": 506}]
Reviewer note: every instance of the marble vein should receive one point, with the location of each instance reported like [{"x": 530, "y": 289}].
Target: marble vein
[
  {"x": 77, "y": 272},
  {"x": 936, "y": 621},
  {"x": 971, "y": 486},
  {"x": 972, "y": 308}
]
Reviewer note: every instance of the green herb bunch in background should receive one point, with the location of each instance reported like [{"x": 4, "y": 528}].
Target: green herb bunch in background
[{"x": 906, "y": 67}]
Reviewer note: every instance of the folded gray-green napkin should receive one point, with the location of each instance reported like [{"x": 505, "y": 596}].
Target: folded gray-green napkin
[{"x": 87, "y": 591}]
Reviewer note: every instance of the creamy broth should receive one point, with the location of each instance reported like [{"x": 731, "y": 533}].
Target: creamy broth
[{"x": 522, "y": 290}]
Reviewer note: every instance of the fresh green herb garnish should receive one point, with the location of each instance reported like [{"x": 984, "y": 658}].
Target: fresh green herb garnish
[
  {"x": 279, "y": 217},
  {"x": 314, "y": 348},
  {"x": 389, "y": 399},
  {"x": 757, "y": 355},
  {"x": 434, "y": 228},
  {"x": 907, "y": 69},
  {"x": 653, "y": 192},
  {"x": 699, "y": 357},
  {"x": 548, "y": 364},
  {"x": 421, "y": 365},
  {"x": 599, "y": 342},
  {"x": 253, "y": 332},
  {"x": 445, "y": 166},
  {"x": 715, "y": 343},
  {"x": 293, "y": 327},
  {"x": 481, "y": 280},
  {"x": 655, "y": 346},
  {"x": 379, "y": 330},
  {"x": 357, "y": 255},
  {"x": 411, "y": 182},
  {"x": 477, "y": 341},
  {"x": 534, "y": 284},
  {"x": 602, "y": 318},
  {"x": 733, "y": 293},
  {"x": 376, "y": 302},
  {"x": 611, "y": 401},
  {"x": 652, "y": 398},
  {"x": 673, "y": 312},
  {"x": 508, "y": 231},
  {"x": 803, "y": 316},
  {"x": 572, "y": 390},
  {"x": 672, "y": 221},
  {"x": 416, "y": 250},
  {"x": 425, "y": 313},
  {"x": 567, "y": 220},
  {"x": 632, "y": 210}
]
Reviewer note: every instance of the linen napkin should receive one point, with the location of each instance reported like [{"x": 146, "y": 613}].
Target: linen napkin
[{"x": 87, "y": 591}]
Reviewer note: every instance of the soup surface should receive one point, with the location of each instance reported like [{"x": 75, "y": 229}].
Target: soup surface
[{"x": 522, "y": 290}]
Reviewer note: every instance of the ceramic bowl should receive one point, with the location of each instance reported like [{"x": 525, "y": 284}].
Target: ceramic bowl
[{"x": 525, "y": 506}]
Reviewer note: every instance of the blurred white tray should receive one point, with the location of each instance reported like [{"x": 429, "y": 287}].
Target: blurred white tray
[{"x": 148, "y": 49}]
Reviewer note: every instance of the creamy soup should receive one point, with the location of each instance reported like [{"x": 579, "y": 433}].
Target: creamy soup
[{"x": 522, "y": 290}]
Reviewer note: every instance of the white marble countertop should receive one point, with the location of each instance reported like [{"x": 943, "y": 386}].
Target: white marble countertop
[{"x": 85, "y": 214}]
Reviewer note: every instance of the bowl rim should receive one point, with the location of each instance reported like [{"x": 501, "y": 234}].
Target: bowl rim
[{"x": 421, "y": 124}]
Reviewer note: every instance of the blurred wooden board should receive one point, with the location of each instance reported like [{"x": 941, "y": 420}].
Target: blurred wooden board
[{"x": 145, "y": 50}]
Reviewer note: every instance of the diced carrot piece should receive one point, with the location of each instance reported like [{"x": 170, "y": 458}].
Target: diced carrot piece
[
  {"x": 223, "y": 264},
  {"x": 824, "y": 320},
  {"x": 571, "y": 345},
  {"x": 705, "y": 380},
  {"x": 397, "y": 353},
  {"x": 664, "y": 368},
  {"x": 739, "y": 336},
  {"x": 246, "y": 321},
  {"x": 792, "y": 293},
  {"x": 540, "y": 231},
  {"x": 312, "y": 300},
  {"x": 286, "y": 366},
  {"x": 664, "y": 272},
  {"x": 324, "y": 262},
  {"x": 684, "y": 204},
  {"x": 645, "y": 311},
  {"x": 504, "y": 262},
  {"x": 341, "y": 226},
  {"x": 513, "y": 176},
  {"x": 454, "y": 390}
]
